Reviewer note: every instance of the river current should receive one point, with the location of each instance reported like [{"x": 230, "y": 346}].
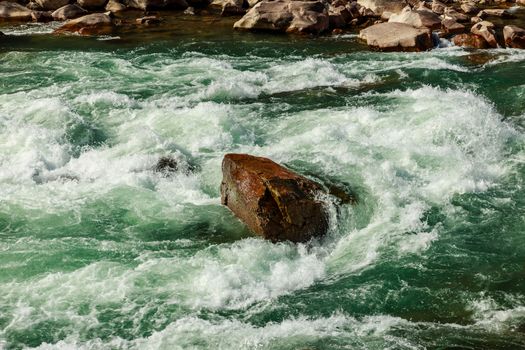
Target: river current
[{"x": 99, "y": 251}]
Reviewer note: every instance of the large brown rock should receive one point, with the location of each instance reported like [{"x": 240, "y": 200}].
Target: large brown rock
[
  {"x": 11, "y": 11},
  {"x": 393, "y": 36},
  {"x": 68, "y": 12},
  {"x": 514, "y": 37},
  {"x": 286, "y": 16},
  {"x": 485, "y": 29},
  {"x": 417, "y": 18},
  {"x": 380, "y": 6},
  {"x": 470, "y": 40},
  {"x": 93, "y": 24},
  {"x": 271, "y": 200}
]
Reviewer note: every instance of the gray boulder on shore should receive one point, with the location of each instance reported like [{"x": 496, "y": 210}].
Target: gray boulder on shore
[
  {"x": 286, "y": 16},
  {"x": 393, "y": 36}
]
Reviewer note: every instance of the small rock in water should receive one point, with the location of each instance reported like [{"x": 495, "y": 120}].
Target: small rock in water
[
  {"x": 271, "y": 200},
  {"x": 167, "y": 164}
]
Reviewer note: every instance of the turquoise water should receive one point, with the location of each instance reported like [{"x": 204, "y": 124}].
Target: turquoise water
[{"x": 98, "y": 251}]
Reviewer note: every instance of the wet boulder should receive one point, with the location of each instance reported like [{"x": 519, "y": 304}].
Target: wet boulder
[
  {"x": 470, "y": 40},
  {"x": 380, "y": 6},
  {"x": 68, "y": 12},
  {"x": 417, "y": 18},
  {"x": 93, "y": 24},
  {"x": 514, "y": 37},
  {"x": 485, "y": 29},
  {"x": 272, "y": 201},
  {"x": 393, "y": 36},
  {"x": 288, "y": 16},
  {"x": 11, "y": 11},
  {"x": 503, "y": 13},
  {"x": 51, "y": 5}
]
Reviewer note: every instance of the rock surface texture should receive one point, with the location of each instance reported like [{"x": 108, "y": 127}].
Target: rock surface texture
[
  {"x": 419, "y": 19},
  {"x": 271, "y": 200},
  {"x": 393, "y": 36},
  {"x": 14, "y": 12},
  {"x": 94, "y": 24},
  {"x": 380, "y": 6},
  {"x": 514, "y": 37},
  {"x": 68, "y": 12},
  {"x": 286, "y": 16}
]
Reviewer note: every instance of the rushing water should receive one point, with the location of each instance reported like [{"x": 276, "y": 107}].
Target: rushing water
[{"x": 98, "y": 251}]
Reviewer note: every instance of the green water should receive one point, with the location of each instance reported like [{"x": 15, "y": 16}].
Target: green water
[{"x": 98, "y": 251}]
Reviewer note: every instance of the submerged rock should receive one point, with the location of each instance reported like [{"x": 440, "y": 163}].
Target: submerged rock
[
  {"x": 68, "y": 12},
  {"x": 93, "y": 24},
  {"x": 514, "y": 37},
  {"x": 286, "y": 16},
  {"x": 271, "y": 200},
  {"x": 11, "y": 11},
  {"x": 393, "y": 36}
]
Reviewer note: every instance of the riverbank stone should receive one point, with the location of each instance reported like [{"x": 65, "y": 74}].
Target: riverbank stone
[
  {"x": 514, "y": 37},
  {"x": 286, "y": 16},
  {"x": 393, "y": 36},
  {"x": 93, "y": 24}
]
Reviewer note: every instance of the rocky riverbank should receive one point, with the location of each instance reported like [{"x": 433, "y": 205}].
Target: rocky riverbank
[{"x": 406, "y": 25}]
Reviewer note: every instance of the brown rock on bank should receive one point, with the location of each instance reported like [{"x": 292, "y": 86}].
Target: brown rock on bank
[
  {"x": 470, "y": 41},
  {"x": 271, "y": 200},
  {"x": 286, "y": 16},
  {"x": 93, "y": 24},
  {"x": 393, "y": 36},
  {"x": 514, "y": 37},
  {"x": 68, "y": 12},
  {"x": 11, "y": 11}
]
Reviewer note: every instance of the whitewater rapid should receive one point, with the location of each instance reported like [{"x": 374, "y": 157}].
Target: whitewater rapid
[{"x": 100, "y": 251}]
